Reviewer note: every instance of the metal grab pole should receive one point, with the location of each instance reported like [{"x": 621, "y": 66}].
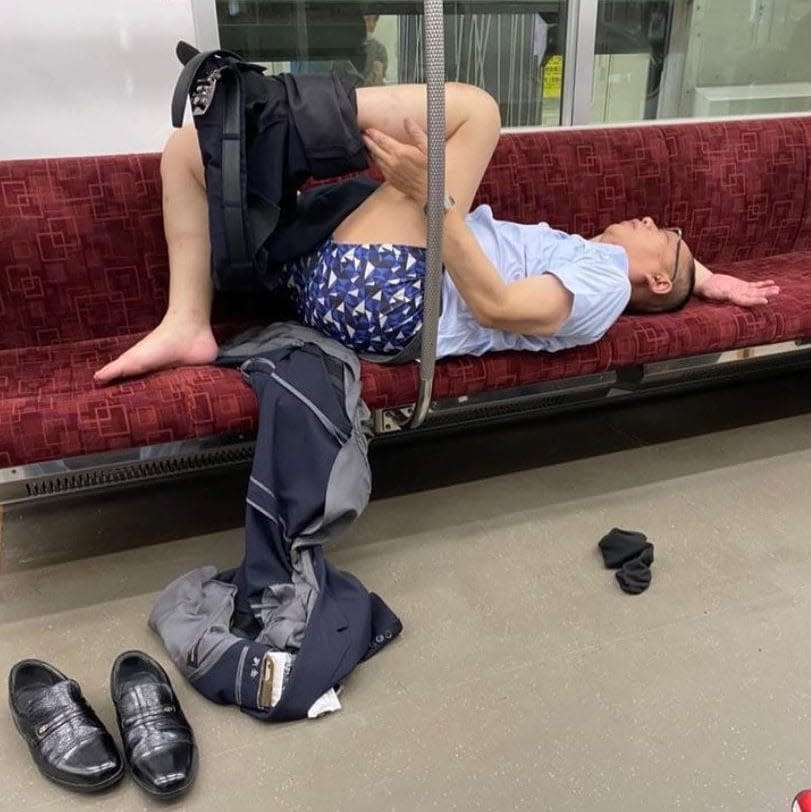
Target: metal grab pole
[{"x": 434, "y": 44}]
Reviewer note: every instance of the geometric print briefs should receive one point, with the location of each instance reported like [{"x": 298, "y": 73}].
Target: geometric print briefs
[{"x": 368, "y": 297}]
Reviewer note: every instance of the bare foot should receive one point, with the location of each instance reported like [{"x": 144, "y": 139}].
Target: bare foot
[{"x": 170, "y": 344}]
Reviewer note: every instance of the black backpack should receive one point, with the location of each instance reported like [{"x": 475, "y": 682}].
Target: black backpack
[
  {"x": 214, "y": 82},
  {"x": 261, "y": 137}
]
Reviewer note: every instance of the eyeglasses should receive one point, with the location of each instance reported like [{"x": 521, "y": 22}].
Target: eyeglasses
[{"x": 678, "y": 232}]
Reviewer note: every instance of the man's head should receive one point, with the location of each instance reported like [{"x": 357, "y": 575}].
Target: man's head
[{"x": 661, "y": 267}]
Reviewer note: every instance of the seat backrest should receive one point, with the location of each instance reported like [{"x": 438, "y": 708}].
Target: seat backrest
[
  {"x": 82, "y": 251},
  {"x": 803, "y": 242},
  {"x": 738, "y": 189}
]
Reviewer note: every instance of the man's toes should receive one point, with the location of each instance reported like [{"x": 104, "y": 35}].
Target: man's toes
[
  {"x": 104, "y": 375},
  {"x": 108, "y": 372}
]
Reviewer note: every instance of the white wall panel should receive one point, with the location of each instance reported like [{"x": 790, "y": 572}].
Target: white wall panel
[{"x": 85, "y": 77}]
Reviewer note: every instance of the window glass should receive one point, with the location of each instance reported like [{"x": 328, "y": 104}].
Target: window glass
[
  {"x": 684, "y": 59},
  {"x": 512, "y": 49}
]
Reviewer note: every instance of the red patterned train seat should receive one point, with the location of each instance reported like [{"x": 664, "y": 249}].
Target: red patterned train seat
[{"x": 84, "y": 274}]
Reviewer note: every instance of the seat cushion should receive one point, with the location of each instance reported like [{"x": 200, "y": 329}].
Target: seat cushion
[
  {"x": 704, "y": 327},
  {"x": 50, "y": 408},
  {"x": 701, "y": 327}
]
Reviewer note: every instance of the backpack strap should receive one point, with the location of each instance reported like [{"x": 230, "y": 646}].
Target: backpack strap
[
  {"x": 411, "y": 352},
  {"x": 232, "y": 163},
  {"x": 223, "y": 68}
]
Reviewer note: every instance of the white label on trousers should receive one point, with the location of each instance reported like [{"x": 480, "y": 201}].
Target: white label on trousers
[{"x": 326, "y": 703}]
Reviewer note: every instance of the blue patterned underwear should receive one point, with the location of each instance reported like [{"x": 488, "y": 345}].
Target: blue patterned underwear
[{"x": 368, "y": 297}]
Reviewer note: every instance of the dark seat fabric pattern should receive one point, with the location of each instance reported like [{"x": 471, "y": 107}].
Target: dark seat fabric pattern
[{"x": 84, "y": 274}]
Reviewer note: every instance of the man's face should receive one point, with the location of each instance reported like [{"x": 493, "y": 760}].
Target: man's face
[{"x": 651, "y": 250}]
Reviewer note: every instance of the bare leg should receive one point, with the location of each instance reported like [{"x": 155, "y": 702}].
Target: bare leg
[
  {"x": 184, "y": 335},
  {"x": 472, "y": 127}
]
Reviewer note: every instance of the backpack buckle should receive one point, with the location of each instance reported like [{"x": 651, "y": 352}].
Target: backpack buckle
[{"x": 202, "y": 94}]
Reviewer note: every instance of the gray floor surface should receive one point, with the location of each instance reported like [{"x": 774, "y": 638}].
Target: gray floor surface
[{"x": 525, "y": 679}]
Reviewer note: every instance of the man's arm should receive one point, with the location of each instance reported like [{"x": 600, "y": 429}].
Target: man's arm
[
  {"x": 718, "y": 287},
  {"x": 703, "y": 275},
  {"x": 535, "y": 306}
]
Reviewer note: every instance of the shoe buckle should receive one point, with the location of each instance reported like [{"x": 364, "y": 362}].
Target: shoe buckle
[
  {"x": 145, "y": 714},
  {"x": 46, "y": 728}
]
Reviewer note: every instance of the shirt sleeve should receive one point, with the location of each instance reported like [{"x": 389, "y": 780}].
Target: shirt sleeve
[{"x": 600, "y": 294}]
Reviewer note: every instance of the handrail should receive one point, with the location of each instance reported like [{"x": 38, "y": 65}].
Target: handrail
[{"x": 434, "y": 44}]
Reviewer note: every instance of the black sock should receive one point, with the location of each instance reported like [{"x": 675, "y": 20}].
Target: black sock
[{"x": 632, "y": 554}]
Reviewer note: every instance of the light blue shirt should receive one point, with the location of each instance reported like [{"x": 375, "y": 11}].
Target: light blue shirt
[{"x": 596, "y": 274}]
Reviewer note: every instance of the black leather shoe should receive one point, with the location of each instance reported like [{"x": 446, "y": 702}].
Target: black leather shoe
[
  {"x": 68, "y": 742},
  {"x": 158, "y": 741}
]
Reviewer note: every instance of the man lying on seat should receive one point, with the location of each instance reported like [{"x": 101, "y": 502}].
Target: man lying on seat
[{"x": 507, "y": 286}]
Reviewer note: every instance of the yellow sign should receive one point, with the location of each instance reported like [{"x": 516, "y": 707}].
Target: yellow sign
[{"x": 553, "y": 78}]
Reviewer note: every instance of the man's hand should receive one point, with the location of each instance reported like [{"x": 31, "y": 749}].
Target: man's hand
[
  {"x": 404, "y": 166},
  {"x": 719, "y": 287}
]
